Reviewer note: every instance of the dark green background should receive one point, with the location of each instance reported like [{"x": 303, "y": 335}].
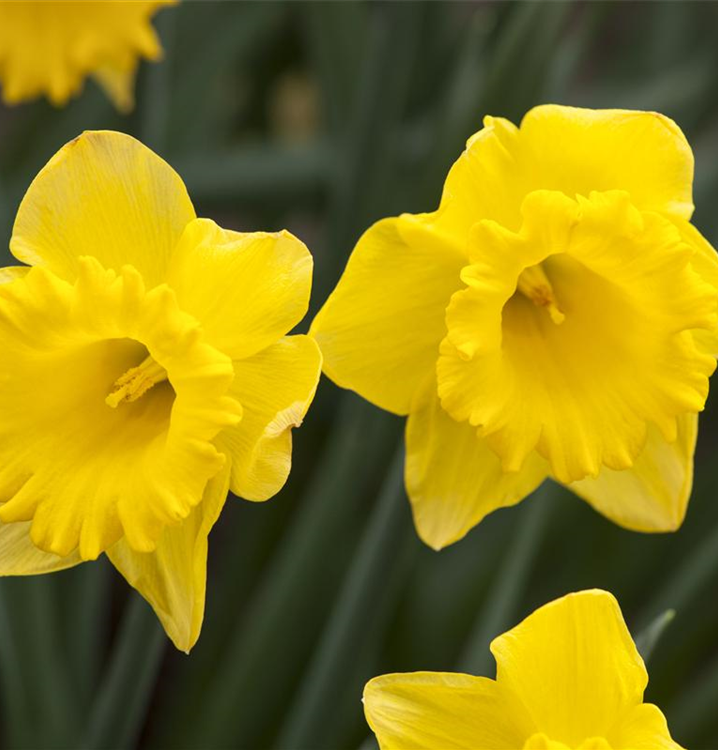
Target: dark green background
[{"x": 321, "y": 117}]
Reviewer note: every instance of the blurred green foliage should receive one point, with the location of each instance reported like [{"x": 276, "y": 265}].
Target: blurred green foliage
[{"x": 322, "y": 117}]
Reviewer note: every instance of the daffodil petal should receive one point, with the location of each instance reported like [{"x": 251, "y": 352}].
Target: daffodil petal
[
  {"x": 579, "y": 151},
  {"x": 705, "y": 263},
  {"x": 106, "y": 196},
  {"x": 540, "y": 741},
  {"x": 20, "y": 557},
  {"x": 275, "y": 388},
  {"x": 705, "y": 258},
  {"x": 654, "y": 494},
  {"x": 430, "y": 710},
  {"x": 173, "y": 578},
  {"x": 12, "y": 273},
  {"x": 595, "y": 743},
  {"x": 642, "y": 728},
  {"x": 380, "y": 329},
  {"x": 118, "y": 83},
  {"x": 248, "y": 290},
  {"x": 485, "y": 182},
  {"x": 453, "y": 479},
  {"x": 574, "y": 666},
  {"x": 571, "y": 150}
]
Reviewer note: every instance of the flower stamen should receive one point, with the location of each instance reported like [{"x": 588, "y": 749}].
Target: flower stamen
[
  {"x": 136, "y": 382},
  {"x": 534, "y": 284}
]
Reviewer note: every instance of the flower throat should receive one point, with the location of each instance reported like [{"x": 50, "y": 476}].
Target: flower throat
[
  {"x": 534, "y": 284},
  {"x": 136, "y": 382}
]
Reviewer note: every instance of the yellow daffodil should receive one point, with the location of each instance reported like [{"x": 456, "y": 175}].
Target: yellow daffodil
[
  {"x": 49, "y": 47},
  {"x": 144, "y": 370},
  {"x": 568, "y": 677},
  {"x": 555, "y": 317}
]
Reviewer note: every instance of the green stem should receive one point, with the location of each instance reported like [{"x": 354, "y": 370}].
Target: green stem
[
  {"x": 122, "y": 701},
  {"x": 510, "y": 582},
  {"x": 368, "y": 150},
  {"x": 524, "y": 57},
  {"x": 230, "y": 36},
  {"x": 336, "y": 39},
  {"x": 342, "y": 724},
  {"x": 157, "y": 91},
  {"x": 350, "y": 616},
  {"x": 34, "y": 659},
  {"x": 18, "y": 727},
  {"x": 690, "y": 578},
  {"x": 60, "y": 719},
  {"x": 86, "y": 609},
  {"x": 694, "y": 711}
]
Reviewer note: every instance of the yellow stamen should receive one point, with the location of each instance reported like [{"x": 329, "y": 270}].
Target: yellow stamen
[
  {"x": 136, "y": 382},
  {"x": 534, "y": 284}
]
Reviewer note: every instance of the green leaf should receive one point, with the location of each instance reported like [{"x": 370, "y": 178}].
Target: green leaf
[
  {"x": 510, "y": 582},
  {"x": 647, "y": 639},
  {"x": 124, "y": 696},
  {"x": 351, "y": 614}
]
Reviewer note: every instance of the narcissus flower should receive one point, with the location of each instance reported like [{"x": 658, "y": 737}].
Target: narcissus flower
[
  {"x": 556, "y": 317},
  {"x": 144, "y": 370},
  {"x": 49, "y": 47},
  {"x": 568, "y": 677}
]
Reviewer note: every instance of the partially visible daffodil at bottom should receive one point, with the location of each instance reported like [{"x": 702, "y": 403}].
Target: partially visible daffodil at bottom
[
  {"x": 569, "y": 677},
  {"x": 144, "y": 372}
]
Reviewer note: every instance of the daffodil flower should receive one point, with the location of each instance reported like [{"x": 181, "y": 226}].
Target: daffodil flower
[
  {"x": 556, "y": 317},
  {"x": 144, "y": 371},
  {"x": 568, "y": 677},
  {"x": 48, "y": 48}
]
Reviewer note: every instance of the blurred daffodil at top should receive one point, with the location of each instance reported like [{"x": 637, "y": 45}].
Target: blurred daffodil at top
[
  {"x": 555, "y": 317},
  {"x": 144, "y": 371},
  {"x": 49, "y": 47},
  {"x": 568, "y": 677}
]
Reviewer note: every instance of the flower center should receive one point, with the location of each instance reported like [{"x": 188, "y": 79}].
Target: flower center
[
  {"x": 534, "y": 285},
  {"x": 136, "y": 382}
]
